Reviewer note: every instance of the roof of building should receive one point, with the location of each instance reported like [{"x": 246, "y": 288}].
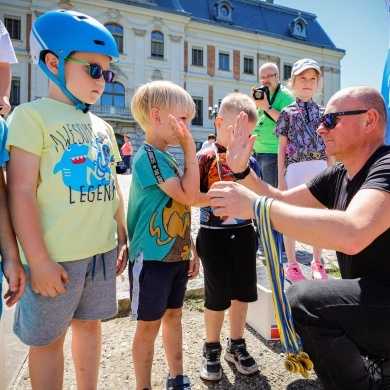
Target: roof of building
[{"x": 257, "y": 16}]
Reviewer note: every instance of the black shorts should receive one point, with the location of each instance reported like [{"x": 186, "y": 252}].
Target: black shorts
[
  {"x": 156, "y": 286},
  {"x": 229, "y": 263}
]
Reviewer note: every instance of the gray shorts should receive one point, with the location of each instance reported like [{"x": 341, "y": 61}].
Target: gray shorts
[{"x": 90, "y": 295}]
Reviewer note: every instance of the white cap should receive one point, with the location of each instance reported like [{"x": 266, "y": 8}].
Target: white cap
[{"x": 304, "y": 64}]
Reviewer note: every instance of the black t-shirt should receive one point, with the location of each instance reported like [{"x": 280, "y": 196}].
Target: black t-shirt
[{"x": 334, "y": 190}]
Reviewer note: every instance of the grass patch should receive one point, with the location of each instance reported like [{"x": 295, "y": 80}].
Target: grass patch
[
  {"x": 194, "y": 304},
  {"x": 334, "y": 271}
]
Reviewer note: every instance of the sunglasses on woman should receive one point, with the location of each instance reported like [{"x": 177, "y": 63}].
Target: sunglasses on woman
[
  {"x": 95, "y": 71},
  {"x": 329, "y": 120}
]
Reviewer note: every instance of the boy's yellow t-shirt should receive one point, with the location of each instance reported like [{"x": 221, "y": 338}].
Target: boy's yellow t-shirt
[{"x": 76, "y": 194}]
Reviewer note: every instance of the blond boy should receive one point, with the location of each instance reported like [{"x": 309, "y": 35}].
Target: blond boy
[{"x": 159, "y": 227}]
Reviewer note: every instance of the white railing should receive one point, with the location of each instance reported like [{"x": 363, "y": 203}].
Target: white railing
[{"x": 111, "y": 111}]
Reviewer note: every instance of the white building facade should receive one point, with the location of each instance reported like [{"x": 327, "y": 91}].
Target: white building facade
[{"x": 210, "y": 48}]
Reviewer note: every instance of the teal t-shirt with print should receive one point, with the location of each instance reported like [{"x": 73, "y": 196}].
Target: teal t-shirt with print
[{"x": 158, "y": 226}]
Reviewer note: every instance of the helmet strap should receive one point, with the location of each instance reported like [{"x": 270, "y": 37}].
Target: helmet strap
[{"x": 60, "y": 82}]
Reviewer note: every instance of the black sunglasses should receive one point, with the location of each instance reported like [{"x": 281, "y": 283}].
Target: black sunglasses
[
  {"x": 329, "y": 120},
  {"x": 95, "y": 71}
]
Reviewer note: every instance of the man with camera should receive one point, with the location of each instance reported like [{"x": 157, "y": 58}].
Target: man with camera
[{"x": 270, "y": 98}]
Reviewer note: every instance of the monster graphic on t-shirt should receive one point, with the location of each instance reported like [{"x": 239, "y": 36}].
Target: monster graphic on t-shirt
[{"x": 75, "y": 162}]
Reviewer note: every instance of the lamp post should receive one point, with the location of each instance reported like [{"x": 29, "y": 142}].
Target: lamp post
[{"x": 214, "y": 113}]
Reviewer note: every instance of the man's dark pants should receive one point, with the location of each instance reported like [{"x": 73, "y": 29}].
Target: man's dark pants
[{"x": 339, "y": 320}]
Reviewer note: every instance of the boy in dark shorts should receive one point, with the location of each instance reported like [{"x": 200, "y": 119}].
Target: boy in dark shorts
[
  {"x": 159, "y": 221},
  {"x": 227, "y": 248}
]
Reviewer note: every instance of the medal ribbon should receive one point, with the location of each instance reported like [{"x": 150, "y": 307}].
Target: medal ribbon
[{"x": 296, "y": 361}]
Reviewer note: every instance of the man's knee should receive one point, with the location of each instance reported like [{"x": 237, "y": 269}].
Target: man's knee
[
  {"x": 295, "y": 294},
  {"x": 307, "y": 298},
  {"x": 300, "y": 298}
]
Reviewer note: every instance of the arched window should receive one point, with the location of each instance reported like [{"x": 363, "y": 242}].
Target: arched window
[
  {"x": 113, "y": 95},
  {"x": 117, "y": 32},
  {"x": 157, "y": 45}
]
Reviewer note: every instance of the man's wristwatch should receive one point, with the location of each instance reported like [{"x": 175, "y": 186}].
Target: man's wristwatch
[
  {"x": 268, "y": 110},
  {"x": 242, "y": 175}
]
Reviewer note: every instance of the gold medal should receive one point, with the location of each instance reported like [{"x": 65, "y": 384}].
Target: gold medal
[{"x": 317, "y": 156}]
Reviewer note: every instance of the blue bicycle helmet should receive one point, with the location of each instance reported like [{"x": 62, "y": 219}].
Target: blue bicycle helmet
[{"x": 63, "y": 32}]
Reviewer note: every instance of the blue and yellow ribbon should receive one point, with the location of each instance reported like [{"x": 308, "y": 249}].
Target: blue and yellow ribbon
[{"x": 296, "y": 361}]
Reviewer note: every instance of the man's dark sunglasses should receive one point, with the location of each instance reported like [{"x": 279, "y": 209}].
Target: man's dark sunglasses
[
  {"x": 329, "y": 120},
  {"x": 95, "y": 71}
]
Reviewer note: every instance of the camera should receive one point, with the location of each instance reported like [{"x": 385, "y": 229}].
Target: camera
[{"x": 258, "y": 93}]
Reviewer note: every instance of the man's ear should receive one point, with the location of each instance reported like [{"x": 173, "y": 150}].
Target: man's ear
[
  {"x": 51, "y": 61},
  {"x": 372, "y": 117},
  {"x": 155, "y": 116},
  {"x": 218, "y": 122}
]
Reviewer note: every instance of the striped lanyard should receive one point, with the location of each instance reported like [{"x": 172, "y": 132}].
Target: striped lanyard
[
  {"x": 175, "y": 165},
  {"x": 219, "y": 165},
  {"x": 296, "y": 361},
  {"x": 314, "y": 135}
]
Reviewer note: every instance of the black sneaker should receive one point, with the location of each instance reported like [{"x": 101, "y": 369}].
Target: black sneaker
[
  {"x": 380, "y": 368},
  {"x": 236, "y": 353},
  {"x": 211, "y": 364},
  {"x": 179, "y": 382}
]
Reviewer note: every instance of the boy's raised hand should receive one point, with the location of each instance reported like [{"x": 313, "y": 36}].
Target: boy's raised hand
[
  {"x": 240, "y": 144},
  {"x": 182, "y": 134}
]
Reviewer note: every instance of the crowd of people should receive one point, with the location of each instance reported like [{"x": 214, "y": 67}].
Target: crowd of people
[{"x": 275, "y": 142}]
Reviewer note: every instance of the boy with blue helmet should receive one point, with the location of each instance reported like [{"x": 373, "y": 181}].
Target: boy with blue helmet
[
  {"x": 83, "y": 34},
  {"x": 65, "y": 202}
]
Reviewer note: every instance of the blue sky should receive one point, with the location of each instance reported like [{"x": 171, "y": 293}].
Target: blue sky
[{"x": 361, "y": 28}]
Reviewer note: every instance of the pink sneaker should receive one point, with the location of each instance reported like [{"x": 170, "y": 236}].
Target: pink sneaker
[
  {"x": 294, "y": 273},
  {"x": 318, "y": 270}
]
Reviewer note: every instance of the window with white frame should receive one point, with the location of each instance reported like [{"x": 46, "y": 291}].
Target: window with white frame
[
  {"x": 13, "y": 24},
  {"x": 223, "y": 61},
  {"x": 198, "y": 119},
  {"x": 157, "y": 45},
  {"x": 287, "y": 71},
  {"x": 113, "y": 95},
  {"x": 117, "y": 32},
  {"x": 197, "y": 56},
  {"x": 15, "y": 92},
  {"x": 248, "y": 65}
]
